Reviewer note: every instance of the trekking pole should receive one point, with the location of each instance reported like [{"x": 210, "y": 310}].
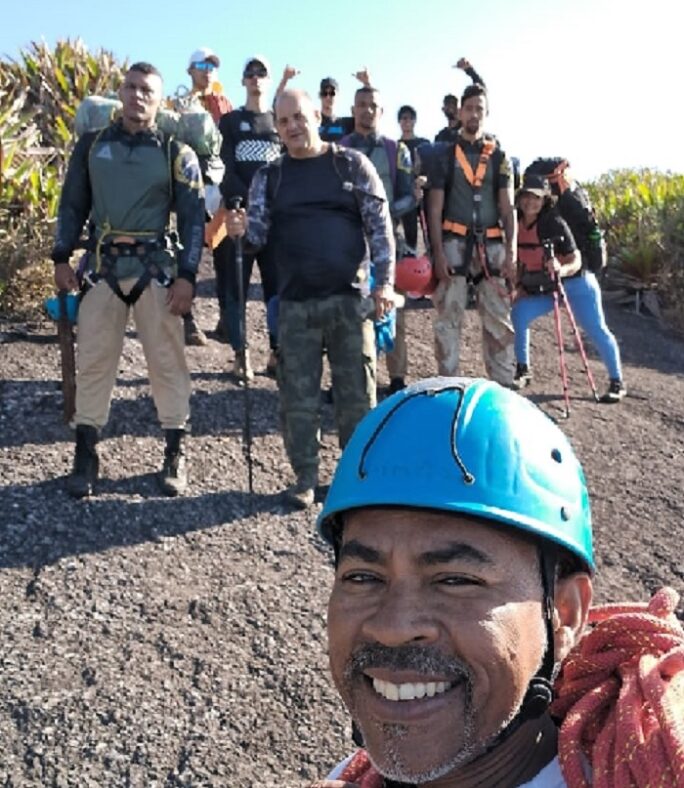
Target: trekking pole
[
  {"x": 561, "y": 352},
  {"x": 560, "y": 297},
  {"x": 236, "y": 202},
  {"x": 578, "y": 338}
]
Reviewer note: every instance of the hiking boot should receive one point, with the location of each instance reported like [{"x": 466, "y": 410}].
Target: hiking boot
[
  {"x": 242, "y": 367},
  {"x": 616, "y": 391},
  {"x": 81, "y": 483},
  {"x": 522, "y": 377},
  {"x": 302, "y": 494},
  {"x": 395, "y": 384},
  {"x": 173, "y": 479},
  {"x": 193, "y": 333},
  {"x": 272, "y": 364}
]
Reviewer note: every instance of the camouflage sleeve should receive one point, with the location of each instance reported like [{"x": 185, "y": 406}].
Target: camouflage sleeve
[
  {"x": 404, "y": 199},
  {"x": 258, "y": 212},
  {"x": 376, "y": 219},
  {"x": 188, "y": 199},
  {"x": 74, "y": 203}
]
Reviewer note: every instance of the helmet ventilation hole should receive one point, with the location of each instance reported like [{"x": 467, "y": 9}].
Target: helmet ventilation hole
[
  {"x": 565, "y": 514},
  {"x": 556, "y": 455}
]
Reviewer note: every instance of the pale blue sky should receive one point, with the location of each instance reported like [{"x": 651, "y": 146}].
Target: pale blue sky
[{"x": 596, "y": 81}]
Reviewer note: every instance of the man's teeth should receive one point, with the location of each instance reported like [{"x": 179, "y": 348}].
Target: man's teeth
[{"x": 410, "y": 691}]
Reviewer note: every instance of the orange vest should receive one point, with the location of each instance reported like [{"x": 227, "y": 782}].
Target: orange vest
[{"x": 530, "y": 250}]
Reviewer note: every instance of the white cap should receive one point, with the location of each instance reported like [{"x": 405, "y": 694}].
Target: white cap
[
  {"x": 258, "y": 59},
  {"x": 204, "y": 54}
]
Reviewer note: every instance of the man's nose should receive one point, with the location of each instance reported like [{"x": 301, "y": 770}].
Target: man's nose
[{"x": 400, "y": 618}]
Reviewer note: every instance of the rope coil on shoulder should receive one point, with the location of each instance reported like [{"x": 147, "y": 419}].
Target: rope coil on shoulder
[{"x": 620, "y": 695}]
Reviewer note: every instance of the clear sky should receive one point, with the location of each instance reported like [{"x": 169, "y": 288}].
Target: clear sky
[{"x": 596, "y": 81}]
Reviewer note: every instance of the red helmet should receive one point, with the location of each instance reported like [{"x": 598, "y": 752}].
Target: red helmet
[{"x": 414, "y": 275}]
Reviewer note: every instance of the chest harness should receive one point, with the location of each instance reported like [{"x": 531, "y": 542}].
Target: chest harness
[
  {"x": 476, "y": 235},
  {"x": 113, "y": 244}
]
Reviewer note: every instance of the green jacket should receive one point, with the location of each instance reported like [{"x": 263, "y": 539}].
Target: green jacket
[{"x": 128, "y": 184}]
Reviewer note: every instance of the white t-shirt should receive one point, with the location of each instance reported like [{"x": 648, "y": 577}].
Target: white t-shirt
[{"x": 549, "y": 777}]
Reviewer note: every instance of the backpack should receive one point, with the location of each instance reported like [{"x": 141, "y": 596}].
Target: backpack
[
  {"x": 193, "y": 125},
  {"x": 390, "y": 152},
  {"x": 575, "y": 207}
]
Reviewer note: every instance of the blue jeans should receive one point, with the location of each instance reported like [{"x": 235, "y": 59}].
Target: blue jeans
[{"x": 584, "y": 297}]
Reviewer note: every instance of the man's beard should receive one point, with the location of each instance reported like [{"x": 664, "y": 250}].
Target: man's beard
[
  {"x": 391, "y": 763},
  {"x": 425, "y": 661}
]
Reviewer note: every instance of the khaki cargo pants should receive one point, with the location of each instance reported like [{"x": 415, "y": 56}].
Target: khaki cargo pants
[
  {"x": 339, "y": 323},
  {"x": 494, "y": 307},
  {"x": 102, "y": 318}
]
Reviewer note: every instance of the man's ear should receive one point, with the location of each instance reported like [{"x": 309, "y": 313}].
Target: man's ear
[{"x": 572, "y": 601}]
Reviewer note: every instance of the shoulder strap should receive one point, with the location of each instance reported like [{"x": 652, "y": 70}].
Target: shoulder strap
[
  {"x": 476, "y": 178},
  {"x": 274, "y": 175},
  {"x": 392, "y": 151}
]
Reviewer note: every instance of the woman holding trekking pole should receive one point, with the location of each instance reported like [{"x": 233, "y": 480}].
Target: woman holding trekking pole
[{"x": 547, "y": 255}]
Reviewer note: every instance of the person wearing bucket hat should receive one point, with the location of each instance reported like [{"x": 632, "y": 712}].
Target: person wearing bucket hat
[
  {"x": 541, "y": 226},
  {"x": 463, "y": 552}
]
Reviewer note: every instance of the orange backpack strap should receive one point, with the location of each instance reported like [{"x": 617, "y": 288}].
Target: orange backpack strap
[{"x": 476, "y": 178}]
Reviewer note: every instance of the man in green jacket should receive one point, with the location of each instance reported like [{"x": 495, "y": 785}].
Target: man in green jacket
[{"x": 124, "y": 181}]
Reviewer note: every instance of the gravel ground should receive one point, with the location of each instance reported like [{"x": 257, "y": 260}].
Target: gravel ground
[{"x": 154, "y": 642}]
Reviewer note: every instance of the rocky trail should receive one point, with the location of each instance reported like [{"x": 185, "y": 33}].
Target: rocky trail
[{"x": 147, "y": 641}]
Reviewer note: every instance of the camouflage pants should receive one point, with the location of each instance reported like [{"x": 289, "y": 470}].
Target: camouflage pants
[
  {"x": 493, "y": 305},
  {"x": 339, "y": 324}
]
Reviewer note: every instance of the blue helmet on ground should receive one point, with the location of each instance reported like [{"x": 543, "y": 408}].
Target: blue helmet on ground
[{"x": 470, "y": 447}]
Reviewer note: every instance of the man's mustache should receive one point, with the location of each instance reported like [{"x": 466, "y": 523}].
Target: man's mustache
[{"x": 419, "y": 659}]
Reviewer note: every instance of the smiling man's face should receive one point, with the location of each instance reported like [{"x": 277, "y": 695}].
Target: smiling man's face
[{"x": 435, "y": 628}]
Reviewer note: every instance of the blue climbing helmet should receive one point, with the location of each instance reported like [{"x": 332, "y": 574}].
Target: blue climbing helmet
[{"x": 471, "y": 447}]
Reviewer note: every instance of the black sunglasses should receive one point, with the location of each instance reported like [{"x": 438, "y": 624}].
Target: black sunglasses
[
  {"x": 328, "y": 92},
  {"x": 255, "y": 71}
]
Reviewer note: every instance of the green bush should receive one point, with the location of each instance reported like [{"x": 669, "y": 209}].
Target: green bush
[
  {"x": 635, "y": 207},
  {"x": 39, "y": 95}
]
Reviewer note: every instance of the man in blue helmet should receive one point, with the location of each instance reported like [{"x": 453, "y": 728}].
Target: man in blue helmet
[{"x": 461, "y": 526}]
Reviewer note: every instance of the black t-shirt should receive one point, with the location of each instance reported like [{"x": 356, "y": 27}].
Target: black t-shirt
[
  {"x": 333, "y": 129},
  {"x": 448, "y": 134},
  {"x": 249, "y": 141},
  {"x": 316, "y": 234}
]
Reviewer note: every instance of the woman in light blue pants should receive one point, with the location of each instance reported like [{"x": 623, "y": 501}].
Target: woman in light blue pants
[
  {"x": 584, "y": 297},
  {"x": 545, "y": 244}
]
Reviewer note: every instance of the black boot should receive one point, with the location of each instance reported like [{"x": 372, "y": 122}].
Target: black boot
[
  {"x": 172, "y": 478},
  {"x": 86, "y": 463}
]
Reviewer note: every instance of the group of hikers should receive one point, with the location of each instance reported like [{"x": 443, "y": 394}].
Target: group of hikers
[
  {"x": 458, "y": 515},
  {"x": 328, "y": 208}
]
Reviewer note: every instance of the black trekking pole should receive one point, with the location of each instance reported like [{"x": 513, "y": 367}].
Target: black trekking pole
[{"x": 236, "y": 202}]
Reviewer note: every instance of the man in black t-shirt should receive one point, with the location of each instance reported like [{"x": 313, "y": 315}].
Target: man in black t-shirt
[
  {"x": 324, "y": 212},
  {"x": 249, "y": 141},
  {"x": 407, "y": 122},
  {"x": 332, "y": 128}
]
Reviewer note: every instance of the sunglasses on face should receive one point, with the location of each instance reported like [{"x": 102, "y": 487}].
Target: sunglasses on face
[
  {"x": 204, "y": 66},
  {"x": 330, "y": 92},
  {"x": 255, "y": 71}
]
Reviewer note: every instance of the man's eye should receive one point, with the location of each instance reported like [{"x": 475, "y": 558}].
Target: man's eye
[
  {"x": 458, "y": 580},
  {"x": 359, "y": 577}
]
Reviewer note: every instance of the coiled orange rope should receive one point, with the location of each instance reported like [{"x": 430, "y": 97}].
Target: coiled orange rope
[{"x": 620, "y": 695}]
